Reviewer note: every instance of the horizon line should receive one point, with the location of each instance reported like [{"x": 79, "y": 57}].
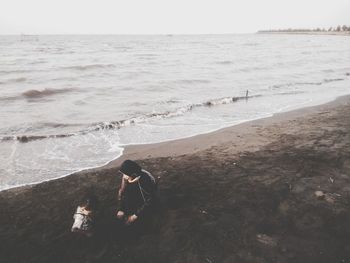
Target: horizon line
[{"x": 122, "y": 34}]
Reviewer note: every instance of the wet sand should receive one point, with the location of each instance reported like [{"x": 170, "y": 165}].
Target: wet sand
[{"x": 242, "y": 194}]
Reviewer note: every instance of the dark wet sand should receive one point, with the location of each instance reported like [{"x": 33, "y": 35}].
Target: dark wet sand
[{"x": 241, "y": 194}]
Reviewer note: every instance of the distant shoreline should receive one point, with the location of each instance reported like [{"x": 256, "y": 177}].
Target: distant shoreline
[{"x": 346, "y": 33}]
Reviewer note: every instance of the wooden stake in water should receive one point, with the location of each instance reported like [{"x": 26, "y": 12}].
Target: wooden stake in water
[{"x": 246, "y": 94}]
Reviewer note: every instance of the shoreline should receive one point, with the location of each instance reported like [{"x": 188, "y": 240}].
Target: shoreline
[
  {"x": 245, "y": 193},
  {"x": 307, "y": 33},
  {"x": 117, "y": 160},
  {"x": 131, "y": 151}
]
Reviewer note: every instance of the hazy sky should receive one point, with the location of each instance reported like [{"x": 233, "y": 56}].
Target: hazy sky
[{"x": 167, "y": 17}]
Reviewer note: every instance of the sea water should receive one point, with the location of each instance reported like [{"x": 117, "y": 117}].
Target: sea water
[{"x": 73, "y": 102}]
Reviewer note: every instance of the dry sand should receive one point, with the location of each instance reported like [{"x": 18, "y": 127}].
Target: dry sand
[{"x": 272, "y": 190}]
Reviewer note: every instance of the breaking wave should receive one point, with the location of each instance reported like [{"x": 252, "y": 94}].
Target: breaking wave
[
  {"x": 28, "y": 138},
  {"x": 115, "y": 125},
  {"x": 167, "y": 114}
]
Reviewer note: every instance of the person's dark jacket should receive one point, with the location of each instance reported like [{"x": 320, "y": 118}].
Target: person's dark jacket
[{"x": 137, "y": 197}]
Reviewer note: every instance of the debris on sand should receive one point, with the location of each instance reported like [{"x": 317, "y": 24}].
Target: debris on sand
[
  {"x": 329, "y": 197},
  {"x": 267, "y": 240},
  {"x": 319, "y": 194}
]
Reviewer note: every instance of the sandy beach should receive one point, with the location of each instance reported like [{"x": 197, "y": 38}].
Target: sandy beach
[{"x": 271, "y": 190}]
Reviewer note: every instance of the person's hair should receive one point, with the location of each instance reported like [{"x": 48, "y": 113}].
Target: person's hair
[
  {"x": 130, "y": 168},
  {"x": 89, "y": 201}
]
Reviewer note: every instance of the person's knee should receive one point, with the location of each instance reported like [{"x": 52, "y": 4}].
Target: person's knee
[{"x": 120, "y": 214}]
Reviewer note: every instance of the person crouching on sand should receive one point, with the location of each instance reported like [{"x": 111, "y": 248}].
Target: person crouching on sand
[
  {"x": 84, "y": 217},
  {"x": 136, "y": 193}
]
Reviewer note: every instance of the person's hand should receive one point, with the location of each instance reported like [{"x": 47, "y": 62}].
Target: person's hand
[
  {"x": 131, "y": 219},
  {"x": 120, "y": 214}
]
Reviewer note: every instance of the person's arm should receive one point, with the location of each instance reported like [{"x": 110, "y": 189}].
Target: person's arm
[
  {"x": 147, "y": 195},
  {"x": 148, "y": 187},
  {"x": 139, "y": 212},
  {"x": 144, "y": 206},
  {"x": 121, "y": 189}
]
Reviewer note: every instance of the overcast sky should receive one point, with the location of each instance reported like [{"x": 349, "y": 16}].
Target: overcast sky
[{"x": 167, "y": 17}]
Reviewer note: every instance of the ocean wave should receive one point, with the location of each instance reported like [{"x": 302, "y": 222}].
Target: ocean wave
[
  {"x": 14, "y": 80},
  {"x": 35, "y": 94},
  {"x": 115, "y": 125},
  {"x": 29, "y": 138},
  {"x": 225, "y": 62},
  {"x": 193, "y": 81},
  {"x": 172, "y": 101},
  {"x": 19, "y": 71},
  {"x": 251, "y": 44},
  {"x": 147, "y": 55},
  {"x": 35, "y": 62},
  {"x": 294, "y": 92},
  {"x": 9, "y": 98},
  {"x": 43, "y": 125},
  {"x": 332, "y": 80},
  {"x": 292, "y": 84},
  {"x": 88, "y": 67}
]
